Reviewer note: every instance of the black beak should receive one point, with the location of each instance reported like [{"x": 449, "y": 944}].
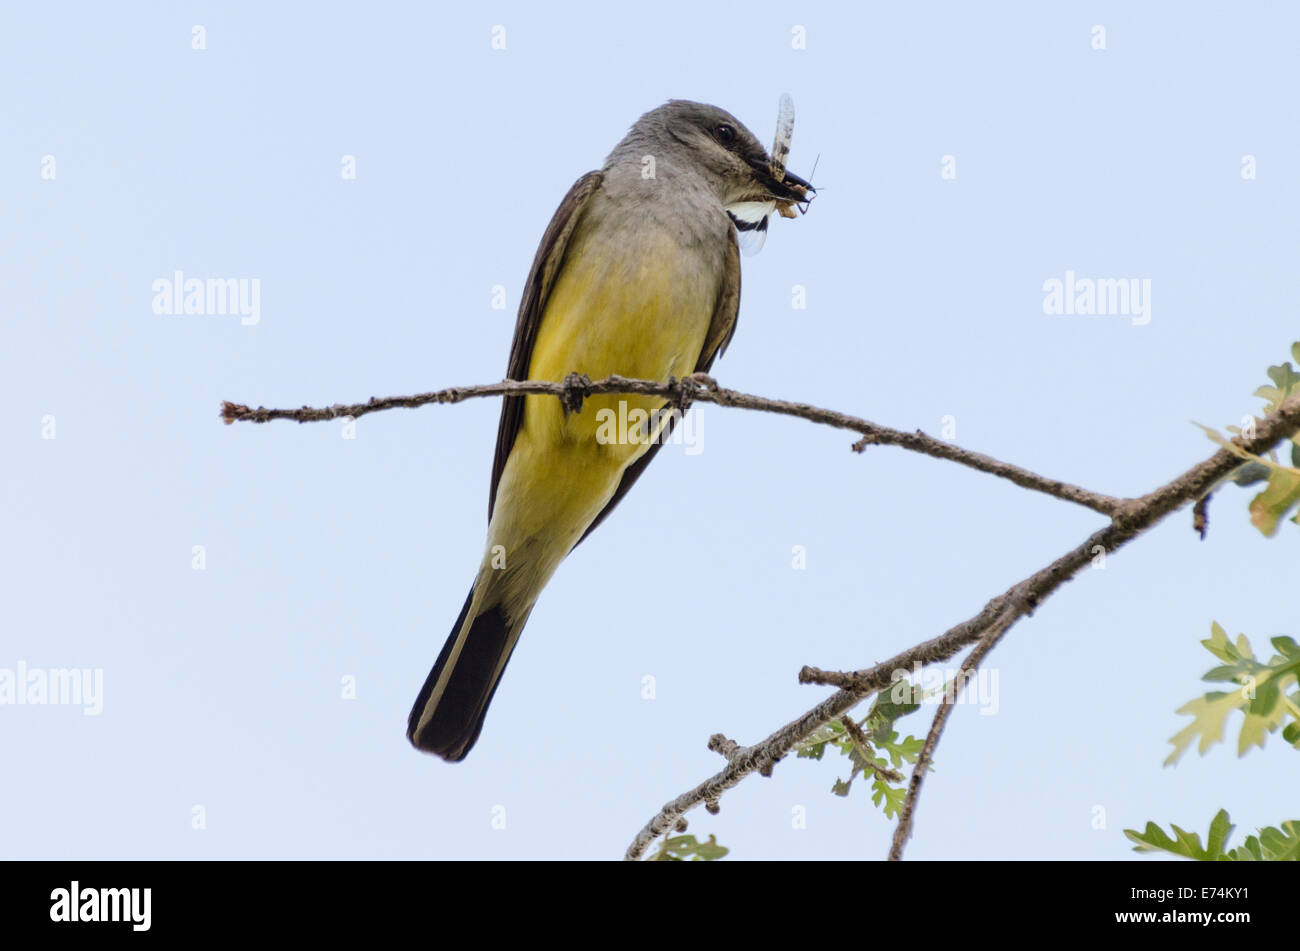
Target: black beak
[{"x": 801, "y": 191}]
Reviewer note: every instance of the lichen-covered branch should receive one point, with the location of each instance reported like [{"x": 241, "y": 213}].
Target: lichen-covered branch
[
  {"x": 1128, "y": 519},
  {"x": 1132, "y": 518},
  {"x": 694, "y": 389}
]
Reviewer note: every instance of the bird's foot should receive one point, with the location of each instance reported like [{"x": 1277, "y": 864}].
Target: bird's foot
[
  {"x": 577, "y": 387},
  {"x": 687, "y": 387}
]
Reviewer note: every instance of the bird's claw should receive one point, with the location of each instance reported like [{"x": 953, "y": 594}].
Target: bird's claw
[{"x": 577, "y": 387}]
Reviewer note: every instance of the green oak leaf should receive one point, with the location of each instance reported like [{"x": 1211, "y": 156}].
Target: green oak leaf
[
  {"x": 891, "y": 797},
  {"x": 1184, "y": 843},
  {"x": 1221, "y": 647},
  {"x": 902, "y": 751},
  {"x": 1270, "y": 845},
  {"x": 685, "y": 848},
  {"x": 878, "y": 737},
  {"x": 1269, "y": 507},
  {"x": 1286, "y": 646},
  {"x": 1281, "y": 845},
  {"x": 1286, "y": 383},
  {"x": 1209, "y": 714},
  {"x": 1261, "y": 696},
  {"x": 1282, "y": 493},
  {"x": 816, "y": 751}
]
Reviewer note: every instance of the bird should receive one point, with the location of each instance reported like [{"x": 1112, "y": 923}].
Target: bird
[{"x": 637, "y": 274}]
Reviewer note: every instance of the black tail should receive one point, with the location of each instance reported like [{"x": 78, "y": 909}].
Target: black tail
[{"x": 454, "y": 718}]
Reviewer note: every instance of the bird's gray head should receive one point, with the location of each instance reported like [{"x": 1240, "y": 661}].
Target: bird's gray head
[{"x": 717, "y": 146}]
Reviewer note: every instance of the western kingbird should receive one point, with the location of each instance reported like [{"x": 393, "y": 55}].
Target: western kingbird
[{"x": 638, "y": 274}]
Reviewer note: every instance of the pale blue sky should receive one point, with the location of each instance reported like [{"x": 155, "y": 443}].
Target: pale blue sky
[{"x": 329, "y": 557}]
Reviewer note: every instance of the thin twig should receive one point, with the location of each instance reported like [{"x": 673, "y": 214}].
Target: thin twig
[
  {"x": 867, "y": 758},
  {"x": 697, "y": 389},
  {"x": 968, "y": 667}
]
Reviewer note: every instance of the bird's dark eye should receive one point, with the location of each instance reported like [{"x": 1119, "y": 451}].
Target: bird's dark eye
[{"x": 725, "y": 134}]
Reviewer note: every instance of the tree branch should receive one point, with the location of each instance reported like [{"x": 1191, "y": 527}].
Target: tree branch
[
  {"x": 1131, "y": 519},
  {"x": 696, "y": 389},
  {"x": 1128, "y": 519}
]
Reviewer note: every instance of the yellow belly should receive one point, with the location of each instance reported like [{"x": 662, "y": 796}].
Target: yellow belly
[{"x": 630, "y": 316}]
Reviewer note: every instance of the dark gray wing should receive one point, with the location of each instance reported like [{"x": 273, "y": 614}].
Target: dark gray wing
[{"x": 537, "y": 291}]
